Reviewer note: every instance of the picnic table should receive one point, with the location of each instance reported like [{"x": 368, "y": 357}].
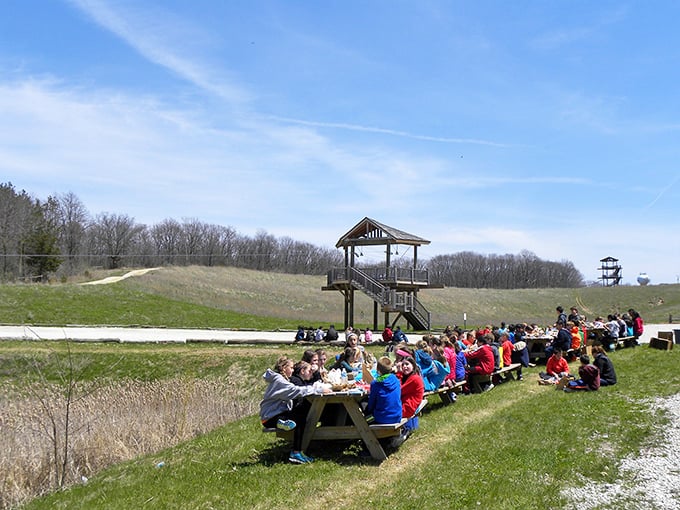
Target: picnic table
[
  {"x": 357, "y": 427},
  {"x": 536, "y": 345}
]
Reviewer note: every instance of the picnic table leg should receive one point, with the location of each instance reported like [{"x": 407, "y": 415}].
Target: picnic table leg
[
  {"x": 312, "y": 419},
  {"x": 359, "y": 420}
]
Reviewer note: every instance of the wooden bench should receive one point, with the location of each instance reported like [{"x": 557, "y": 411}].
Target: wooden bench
[
  {"x": 574, "y": 354},
  {"x": 283, "y": 434},
  {"x": 508, "y": 369},
  {"x": 625, "y": 341},
  {"x": 447, "y": 394},
  {"x": 663, "y": 341},
  {"x": 379, "y": 429},
  {"x": 477, "y": 380},
  {"x": 361, "y": 427}
]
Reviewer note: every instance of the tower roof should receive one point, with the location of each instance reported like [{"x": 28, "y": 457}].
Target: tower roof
[{"x": 369, "y": 232}]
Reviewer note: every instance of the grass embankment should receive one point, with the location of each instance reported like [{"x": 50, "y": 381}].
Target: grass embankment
[
  {"x": 128, "y": 400},
  {"x": 238, "y": 298},
  {"x": 514, "y": 447}
]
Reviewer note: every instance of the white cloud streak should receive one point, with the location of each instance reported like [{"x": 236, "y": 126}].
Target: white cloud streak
[
  {"x": 147, "y": 33},
  {"x": 391, "y": 132}
]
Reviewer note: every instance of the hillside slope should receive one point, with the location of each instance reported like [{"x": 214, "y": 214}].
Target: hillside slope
[{"x": 300, "y": 296}]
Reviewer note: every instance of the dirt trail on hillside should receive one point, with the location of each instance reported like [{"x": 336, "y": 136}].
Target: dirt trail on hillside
[{"x": 113, "y": 279}]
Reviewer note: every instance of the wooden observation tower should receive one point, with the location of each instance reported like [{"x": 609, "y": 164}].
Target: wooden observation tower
[
  {"x": 394, "y": 290},
  {"x": 611, "y": 272}
]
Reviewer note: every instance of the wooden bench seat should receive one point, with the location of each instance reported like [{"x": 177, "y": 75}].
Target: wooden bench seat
[
  {"x": 387, "y": 429},
  {"x": 477, "y": 380},
  {"x": 447, "y": 394},
  {"x": 625, "y": 341},
  {"x": 664, "y": 344},
  {"x": 508, "y": 369},
  {"x": 283, "y": 434}
]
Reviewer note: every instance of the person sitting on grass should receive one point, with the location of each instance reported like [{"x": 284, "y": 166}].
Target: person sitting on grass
[
  {"x": 399, "y": 336},
  {"x": 556, "y": 369},
  {"x": 384, "y": 399},
  {"x": 604, "y": 365},
  {"x": 331, "y": 334},
  {"x": 281, "y": 405},
  {"x": 589, "y": 377}
]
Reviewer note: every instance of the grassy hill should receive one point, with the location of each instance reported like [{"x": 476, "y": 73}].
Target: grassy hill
[
  {"x": 239, "y": 298},
  {"x": 518, "y": 446}
]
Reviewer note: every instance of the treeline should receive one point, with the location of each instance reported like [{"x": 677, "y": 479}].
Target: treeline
[
  {"x": 523, "y": 271},
  {"x": 58, "y": 236}
]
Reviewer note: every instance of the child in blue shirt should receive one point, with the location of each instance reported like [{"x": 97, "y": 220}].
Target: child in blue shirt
[{"x": 384, "y": 399}]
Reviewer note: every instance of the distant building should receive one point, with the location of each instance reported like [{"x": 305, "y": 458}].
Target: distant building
[{"x": 643, "y": 279}]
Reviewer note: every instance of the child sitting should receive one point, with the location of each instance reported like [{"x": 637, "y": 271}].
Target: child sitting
[
  {"x": 282, "y": 407},
  {"x": 589, "y": 377},
  {"x": 384, "y": 400},
  {"x": 556, "y": 369},
  {"x": 347, "y": 359},
  {"x": 439, "y": 369}
]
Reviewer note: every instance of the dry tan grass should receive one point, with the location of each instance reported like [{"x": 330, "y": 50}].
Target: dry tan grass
[
  {"x": 254, "y": 292},
  {"x": 108, "y": 425}
]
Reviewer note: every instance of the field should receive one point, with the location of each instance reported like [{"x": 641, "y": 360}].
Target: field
[
  {"x": 238, "y": 298},
  {"x": 191, "y": 409}
]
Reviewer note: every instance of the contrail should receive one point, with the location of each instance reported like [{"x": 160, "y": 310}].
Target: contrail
[
  {"x": 663, "y": 192},
  {"x": 392, "y": 132}
]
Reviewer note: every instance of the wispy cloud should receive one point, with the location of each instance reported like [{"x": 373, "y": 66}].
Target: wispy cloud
[
  {"x": 149, "y": 32},
  {"x": 391, "y": 132},
  {"x": 587, "y": 29}
]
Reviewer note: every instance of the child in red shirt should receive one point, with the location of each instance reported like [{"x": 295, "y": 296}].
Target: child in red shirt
[{"x": 556, "y": 369}]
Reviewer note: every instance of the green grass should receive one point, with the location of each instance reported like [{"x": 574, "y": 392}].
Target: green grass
[
  {"x": 117, "y": 305},
  {"x": 515, "y": 447},
  {"x": 205, "y": 297}
]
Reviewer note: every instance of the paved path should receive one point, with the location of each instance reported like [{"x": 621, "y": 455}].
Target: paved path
[{"x": 177, "y": 335}]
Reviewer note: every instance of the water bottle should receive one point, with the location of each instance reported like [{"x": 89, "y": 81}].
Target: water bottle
[
  {"x": 357, "y": 372},
  {"x": 343, "y": 377}
]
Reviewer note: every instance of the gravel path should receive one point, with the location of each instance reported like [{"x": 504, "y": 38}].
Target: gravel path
[{"x": 652, "y": 478}]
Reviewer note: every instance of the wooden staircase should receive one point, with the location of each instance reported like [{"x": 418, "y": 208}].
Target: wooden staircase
[{"x": 389, "y": 299}]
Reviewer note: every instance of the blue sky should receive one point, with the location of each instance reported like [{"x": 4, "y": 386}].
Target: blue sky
[{"x": 489, "y": 126}]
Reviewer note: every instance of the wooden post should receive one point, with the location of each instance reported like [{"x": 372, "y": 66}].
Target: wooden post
[{"x": 375, "y": 316}]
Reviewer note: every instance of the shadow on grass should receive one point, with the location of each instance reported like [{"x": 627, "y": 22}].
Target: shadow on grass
[{"x": 343, "y": 453}]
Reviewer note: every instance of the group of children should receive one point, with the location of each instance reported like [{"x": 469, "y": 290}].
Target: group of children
[
  {"x": 396, "y": 391},
  {"x": 590, "y": 375},
  {"x": 403, "y": 375}
]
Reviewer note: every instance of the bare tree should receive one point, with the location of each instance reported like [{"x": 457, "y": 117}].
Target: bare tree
[
  {"x": 72, "y": 219},
  {"x": 193, "y": 234},
  {"x": 16, "y": 217},
  {"x": 167, "y": 237},
  {"x": 526, "y": 270},
  {"x": 114, "y": 237}
]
